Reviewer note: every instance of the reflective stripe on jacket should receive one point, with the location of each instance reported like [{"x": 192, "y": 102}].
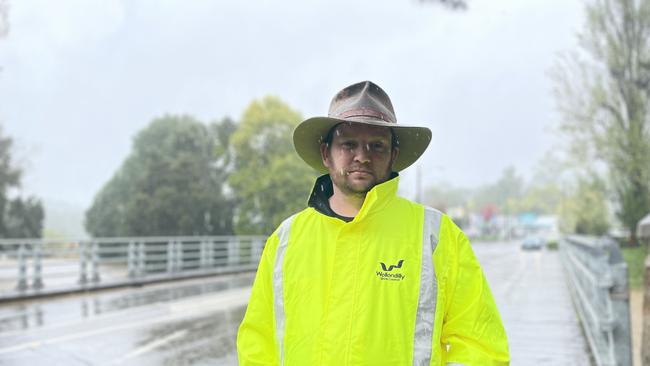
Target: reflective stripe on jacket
[{"x": 398, "y": 285}]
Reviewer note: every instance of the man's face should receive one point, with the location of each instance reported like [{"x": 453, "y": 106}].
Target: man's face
[{"x": 360, "y": 157}]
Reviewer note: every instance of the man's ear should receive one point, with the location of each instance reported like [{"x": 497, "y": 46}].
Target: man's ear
[{"x": 324, "y": 154}]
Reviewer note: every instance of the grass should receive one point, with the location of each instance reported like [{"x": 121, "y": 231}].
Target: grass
[{"x": 635, "y": 258}]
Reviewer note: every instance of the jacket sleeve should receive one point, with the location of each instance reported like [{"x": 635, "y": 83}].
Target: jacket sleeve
[
  {"x": 256, "y": 341},
  {"x": 472, "y": 332}
]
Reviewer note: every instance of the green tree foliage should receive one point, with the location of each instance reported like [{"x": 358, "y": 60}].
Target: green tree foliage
[
  {"x": 24, "y": 218},
  {"x": 603, "y": 92},
  {"x": 223, "y": 151},
  {"x": 542, "y": 199},
  {"x": 585, "y": 210},
  {"x": 19, "y": 218},
  {"x": 171, "y": 184},
  {"x": 547, "y": 189},
  {"x": 269, "y": 180},
  {"x": 510, "y": 194}
]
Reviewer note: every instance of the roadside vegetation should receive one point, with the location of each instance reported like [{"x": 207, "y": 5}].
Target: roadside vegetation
[{"x": 635, "y": 258}]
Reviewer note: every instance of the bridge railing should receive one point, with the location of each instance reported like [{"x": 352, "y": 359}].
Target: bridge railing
[
  {"x": 36, "y": 267},
  {"x": 597, "y": 277}
]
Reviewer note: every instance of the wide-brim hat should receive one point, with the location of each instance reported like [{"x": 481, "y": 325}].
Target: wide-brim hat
[{"x": 366, "y": 103}]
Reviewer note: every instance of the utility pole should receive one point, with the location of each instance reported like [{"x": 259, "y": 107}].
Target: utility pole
[{"x": 418, "y": 184}]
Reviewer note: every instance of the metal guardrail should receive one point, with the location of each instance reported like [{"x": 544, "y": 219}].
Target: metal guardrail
[
  {"x": 36, "y": 267},
  {"x": 597, "y": 277}
]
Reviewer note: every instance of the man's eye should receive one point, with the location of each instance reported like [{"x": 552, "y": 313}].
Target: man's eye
[{"x": 378, "y": 146}]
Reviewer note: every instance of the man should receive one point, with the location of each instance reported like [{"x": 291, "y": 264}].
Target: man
[{"x": 362, "y": 276}]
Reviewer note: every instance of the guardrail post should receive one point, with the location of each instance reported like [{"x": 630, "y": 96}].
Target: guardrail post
[
  {"x": 210, "y": 253},
  {"x": 94, "y": 259},
  {"x": 132, "y": 259},
  {"x": 620, "y": 300},
  {"x": 245, "y": 250},
  {"x": 22, "y": 268},
  {"x": 179, "y": 256},
  {"x": 37, "y": 251},
  {"x": 233, "y": 251},
  {"x": 205, "y": 255},
  {"x": 142, "y": 266},
  {"x": 202, "y": 258},
  {"x": 171, "y": 253},
  {"x": 645, "y": 341}
]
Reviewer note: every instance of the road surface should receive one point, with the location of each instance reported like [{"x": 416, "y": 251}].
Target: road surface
[{"x": 195, "y": 322}]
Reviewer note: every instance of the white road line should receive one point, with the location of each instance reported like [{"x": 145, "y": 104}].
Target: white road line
[
  {"x": 514, "y": 278},
  {"x": 177, "y": 311},
  {"x": 150, "y": 346}
]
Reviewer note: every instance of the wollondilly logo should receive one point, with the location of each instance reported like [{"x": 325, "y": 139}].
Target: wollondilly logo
[{"x": 385, "y": 275}]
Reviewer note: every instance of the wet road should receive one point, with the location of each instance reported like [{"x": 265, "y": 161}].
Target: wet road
[
  {"x": 195, "y": 322},
  {"x": 535, "y": 304},
  {"x": 184, "y": 323}
]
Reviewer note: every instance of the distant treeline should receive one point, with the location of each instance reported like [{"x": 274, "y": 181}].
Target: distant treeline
[
  {"x": 19, "y": 217},
  {"x": 185, "y": 177}
]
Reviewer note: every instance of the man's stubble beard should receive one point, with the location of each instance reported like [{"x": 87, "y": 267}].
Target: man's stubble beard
[{"x": 341, "y": 181}]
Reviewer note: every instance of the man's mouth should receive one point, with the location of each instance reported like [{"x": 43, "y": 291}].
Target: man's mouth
[{"x": 360, "y": 171}]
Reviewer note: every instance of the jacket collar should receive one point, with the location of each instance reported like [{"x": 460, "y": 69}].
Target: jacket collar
[{"x": 376, "y": 198}]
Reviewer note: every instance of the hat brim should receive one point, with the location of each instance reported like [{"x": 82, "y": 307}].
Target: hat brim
[{"x": 310, "y": 133}]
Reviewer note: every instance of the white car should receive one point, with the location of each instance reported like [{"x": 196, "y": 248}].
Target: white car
[{"x": 532, "y": 243}]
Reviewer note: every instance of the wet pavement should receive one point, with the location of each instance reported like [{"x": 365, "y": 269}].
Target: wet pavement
[
  {"x": 531, "y": 293},
  {"x": 195, "y": 322},
  {"x": 183, "y": 323}
]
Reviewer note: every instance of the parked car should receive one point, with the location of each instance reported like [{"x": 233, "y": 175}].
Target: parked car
[{"x": 532, "y": 243}]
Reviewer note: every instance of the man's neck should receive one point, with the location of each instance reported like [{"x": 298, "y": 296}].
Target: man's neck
[{"x": 346, "y": 205}]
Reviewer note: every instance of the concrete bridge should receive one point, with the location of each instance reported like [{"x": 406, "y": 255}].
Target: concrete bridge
[{"x": 194, "y": 321}]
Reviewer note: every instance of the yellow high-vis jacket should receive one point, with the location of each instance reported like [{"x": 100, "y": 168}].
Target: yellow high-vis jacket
[{"x": 397, "y": 285}]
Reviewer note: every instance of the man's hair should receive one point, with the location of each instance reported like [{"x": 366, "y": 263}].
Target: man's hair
[{"x": 330, "y": 136}]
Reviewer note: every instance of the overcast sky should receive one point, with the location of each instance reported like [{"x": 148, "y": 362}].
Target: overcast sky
[{"x": 80, "y": 78}]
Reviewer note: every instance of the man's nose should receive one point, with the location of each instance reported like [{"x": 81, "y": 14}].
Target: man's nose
[{"x": 362, "y": 153}]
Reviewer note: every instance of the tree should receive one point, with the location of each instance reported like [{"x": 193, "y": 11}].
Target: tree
[
  {"x": 24, "y": 218},
  {"x": 603, "y": 93},
  {"x": 19, "y": 218},
  {"x": 269, "y": 180},
  {"x": 585, "y": 211},
  {"x": 171, "y": 184},
  {"x": 542, "y": 199},
  {"x": 222, "y": 131},
  {"x": 547, "y": 189}
]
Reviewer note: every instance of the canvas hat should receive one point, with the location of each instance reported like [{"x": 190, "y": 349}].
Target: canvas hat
[{"x": 367, "y": 103}]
